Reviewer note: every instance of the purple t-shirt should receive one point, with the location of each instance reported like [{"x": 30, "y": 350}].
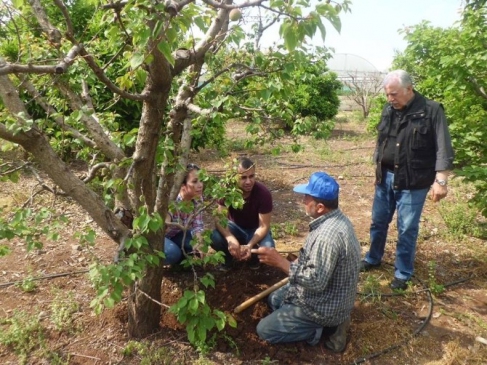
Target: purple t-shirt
[{"x": 258, "y": 202}]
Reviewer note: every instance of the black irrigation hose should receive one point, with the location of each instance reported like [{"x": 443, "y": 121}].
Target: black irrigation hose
[
  {"x": 51, "y": 276},
  {"x": 417, "y": 331}
]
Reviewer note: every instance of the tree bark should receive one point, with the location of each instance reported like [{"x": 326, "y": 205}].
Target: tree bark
[{"x": 144, "y": 314}]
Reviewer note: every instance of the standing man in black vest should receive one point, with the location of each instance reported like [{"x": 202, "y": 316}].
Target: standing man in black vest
[{"x": 413, "y": 155}]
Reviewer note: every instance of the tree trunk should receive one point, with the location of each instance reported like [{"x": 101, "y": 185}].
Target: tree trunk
[{"x": 145, "y": 314}]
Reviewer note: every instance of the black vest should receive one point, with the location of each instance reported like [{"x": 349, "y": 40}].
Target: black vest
[{"x": 415, "y": 149}]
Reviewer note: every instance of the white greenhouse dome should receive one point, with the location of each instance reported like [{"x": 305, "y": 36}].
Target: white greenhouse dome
[{"x": 344, "y": 64}]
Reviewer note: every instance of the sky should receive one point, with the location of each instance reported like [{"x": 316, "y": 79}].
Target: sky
[{"x": 371, "y": 29}]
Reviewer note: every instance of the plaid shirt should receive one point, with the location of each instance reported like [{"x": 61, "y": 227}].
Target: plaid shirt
[
  {"x": 177, "y": 216},
  {"x": 323, "y": 281}
]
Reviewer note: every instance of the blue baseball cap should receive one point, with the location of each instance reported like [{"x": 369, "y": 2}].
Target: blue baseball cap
[{"x": 321, "y": 186}]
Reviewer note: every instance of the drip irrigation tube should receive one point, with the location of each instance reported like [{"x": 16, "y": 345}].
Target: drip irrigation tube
[{"x": 417, "y": 330}]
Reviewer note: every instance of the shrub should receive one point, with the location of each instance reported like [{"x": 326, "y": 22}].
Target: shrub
[{"x": 316, "y": 93}]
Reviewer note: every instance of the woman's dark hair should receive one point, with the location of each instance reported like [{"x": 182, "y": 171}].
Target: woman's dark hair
[{"x": 189, "y": 167}]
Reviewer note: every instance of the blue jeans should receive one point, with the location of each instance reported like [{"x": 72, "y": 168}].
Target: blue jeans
[
  {"x": 173, "y": 247},
  {"x": 288, "y": 323},
  {"x": 219, "y": 243},
  {"x": 409, "y": 205}
]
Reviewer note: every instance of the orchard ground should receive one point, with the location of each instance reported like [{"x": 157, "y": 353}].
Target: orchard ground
[{"x": 49, "y": 321}]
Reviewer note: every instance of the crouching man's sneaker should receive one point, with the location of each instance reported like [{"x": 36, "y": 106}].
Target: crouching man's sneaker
[{"x": 338, "y": 341}]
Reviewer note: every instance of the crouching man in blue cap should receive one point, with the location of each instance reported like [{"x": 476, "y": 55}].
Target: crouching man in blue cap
[{"x": 320, "y": 294}]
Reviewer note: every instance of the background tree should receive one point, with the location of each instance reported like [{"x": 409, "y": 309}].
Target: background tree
[
  {"x": 362, "y": 88},
  {"x": 315, "y": 96},
  {"x": 449, "y": 65},
  {"x": 127, "y": 86}
]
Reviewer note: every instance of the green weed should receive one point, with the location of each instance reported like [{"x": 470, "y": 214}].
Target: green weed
[
  {"x": 28, "y": 284},
  {"x": 435, "y": 288},
  {"x": 371, "y": 289},
  {"x": 280, "y": 230},
  {"x": 63, "y": 307},
  {"x": 22, "y": 333},
  {"x": 267, "y": 361},
  {"x": 231, "y": 342},
  {"x": 148, "y": 353},
  {"x": 460, "y": 219}
]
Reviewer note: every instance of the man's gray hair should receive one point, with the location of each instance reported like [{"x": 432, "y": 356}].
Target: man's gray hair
[{"x": 402, "y": 76}]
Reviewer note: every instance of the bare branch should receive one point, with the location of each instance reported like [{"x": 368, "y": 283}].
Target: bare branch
[
  {"x": 215, "y": 33},
  {"x": 59, "y": 120},
  {"x": 146, "y": 295},
  {"x": 363, "y": 87},
  {"x": 52, "y": 32},
  {"x": 283, "y": 13},
  {"x": 94, "y": 169},
  {"x": 262, "y": 28},
  {"x": 222, "y": 5},
  {"x": 10, "y": 68},
  {"x": 90, "y": 121},
  {"x": 479, "y": 90},
  {"x": 67, "y": 18},
  {"x": 196, "y": 109},
  {"x": 100, "y": 74},
  {"x": 62, "y": 66},
  {"x": 14, "y": 169}
]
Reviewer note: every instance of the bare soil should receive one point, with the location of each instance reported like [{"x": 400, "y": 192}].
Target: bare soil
[{"x": 414, "y": 328}]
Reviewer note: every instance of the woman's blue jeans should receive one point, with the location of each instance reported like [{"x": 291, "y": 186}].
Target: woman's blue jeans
[
  {"x": 409, "y": 205},
  {"x": 173, "y": 247},
  {"x": 288, "y": 323},
  {"x": 219, "y": 243}
]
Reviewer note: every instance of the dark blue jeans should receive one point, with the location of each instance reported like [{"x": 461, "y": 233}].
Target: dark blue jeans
[
  {"x": 173, "y": 247},
  {"x": 289, "y": 323},
  {"x": 219, "y": 243},
  {"x": 408, "y": 205}
]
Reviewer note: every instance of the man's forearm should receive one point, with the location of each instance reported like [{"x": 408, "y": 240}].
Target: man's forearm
[
  {"x": 225, "y": 232},
  {"x": 258, "y": 236}
]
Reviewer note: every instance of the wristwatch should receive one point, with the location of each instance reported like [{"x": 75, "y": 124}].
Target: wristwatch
[{"x": 441, "y": 182}]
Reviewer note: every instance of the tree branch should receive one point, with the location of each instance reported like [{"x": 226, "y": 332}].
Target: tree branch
[
  {"x": 196, "y": 109},
  {"x": 67, "y": 18},
  {"x": 52, "y": 32},
  {"x": 11, "y": 68},
  {"x": 90, "y": 121},
  {"x": 62, "y": 66},
  {"x": 222, "y": 5},
  {"x": 59, "y": 120},
  {"x": 479, "y": 90}
]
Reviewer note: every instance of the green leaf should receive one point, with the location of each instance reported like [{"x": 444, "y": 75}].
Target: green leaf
[
  {"x": 136, "y": 60},
  {"x": 109, "y": 302},
  {"x": 165, "y": 49},
  {"x": 193, "y": 305}
]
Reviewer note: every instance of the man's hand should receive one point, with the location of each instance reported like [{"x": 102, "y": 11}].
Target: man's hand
[
  {"x": 245, "y": 252},
  {"x": 438, "y": 192},
  {"x": 234, "y": 247},
  {"x": 269, "y": 256}
]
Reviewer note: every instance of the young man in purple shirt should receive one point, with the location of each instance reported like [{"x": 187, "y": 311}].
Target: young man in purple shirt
[{"x": 249, "y": 227}]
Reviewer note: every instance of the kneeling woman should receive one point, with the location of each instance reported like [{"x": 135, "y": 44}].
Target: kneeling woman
[{"x": 184, "y": 220}]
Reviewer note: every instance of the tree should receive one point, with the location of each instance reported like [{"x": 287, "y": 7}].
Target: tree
[
  {"x": 449, "y": 65},
  {"x": 362, "y": 88},
  {"x": 316, "y": 95},
  {"x": 127, "y": 85}
]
